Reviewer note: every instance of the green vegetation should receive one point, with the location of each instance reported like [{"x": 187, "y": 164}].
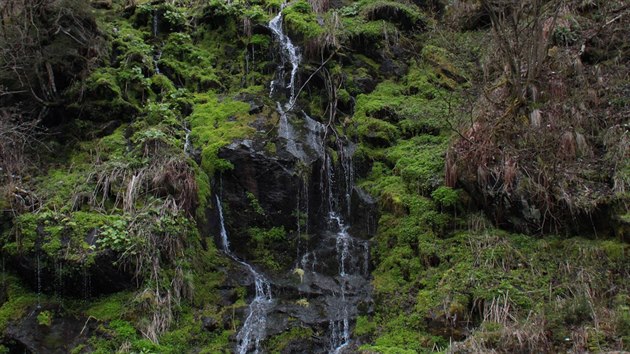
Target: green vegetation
[
  {"x": 19, "y": 301},
  {"x": 45, "y": 318},
  {"x": 278, "y": 343},
  {"x": 498, "y": 160}
]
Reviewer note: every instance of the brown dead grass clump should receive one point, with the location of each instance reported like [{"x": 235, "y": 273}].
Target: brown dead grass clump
[{"x": 537, "y": 134}]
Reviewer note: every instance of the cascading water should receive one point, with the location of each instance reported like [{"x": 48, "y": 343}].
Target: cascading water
[
  {"x": 342, "y": 301},
  {"x": 350, "y": 267},
  {"x": 156, "y": 60},
  {"x": 290, "y": 53},
  {"x": 155, "y": 24},
  {"x": 187, "y": 145},
  {"x": 253, "y": 330}
]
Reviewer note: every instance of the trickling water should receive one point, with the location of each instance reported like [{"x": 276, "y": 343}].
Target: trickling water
[
  {"x": 349, "y": 268},
  {"x": 156, "y": 59},
  {"x": 306, "y": 258},
  {"x": 286, "y": 131},
  {"x": 155, "y": 24},
  {"x": 289, "y": 52},
  {"x": 366, "y": 259},
  {"x": 352, "y": 253},
  {"x": 253, "y": 330},
  {"x": 314, "y": 138},
  {"x": 39, "y": 282},
  {"x": 187, "y": 141},
  {"x": 345, "y": 155}
]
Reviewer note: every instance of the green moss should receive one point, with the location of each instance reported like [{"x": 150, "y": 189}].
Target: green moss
[
  {"x": 216, "y": 124},
  {"x": 419, "y": 162},
  {"x": 367, "y": 30},
  {"x": 276, "y": 234},
  {"x": 45, "y": 318},
  {"x": 123, "y": 330},
  {"x": 203, "y": 192},
  {"x": 18, "y": 301},
  {"x": 188, "y": 64},
  {"x": 255, "y": 204},
  {"x": 114, "y": 145},
  {"x": 279, "y": 342},
  {"x": 260, "y": 40},
  {"x": 405, "y": 15},
  {"x": 364, "y": 326},
  {"x": 301, "y": 20},
  {"x": 59, "y": 186},
  {"x": 448, "y": 74},
  {"x": 109, "y": 308}
]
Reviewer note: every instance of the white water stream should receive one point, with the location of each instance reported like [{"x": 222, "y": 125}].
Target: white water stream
[
  {"x": 290, "y": 53},
  {"x": 253, "y": 330}
]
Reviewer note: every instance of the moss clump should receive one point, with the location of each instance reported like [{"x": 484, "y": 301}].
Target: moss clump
[
  {"x": 364, "y": 326},
  {"x": 407, "y": 16},
  {"x": 18, "y": 301},
  {"x": 45, "y": 318},
  {"x": 279, "y": 342},
  {"x": 216, "y": 124},
  {"x": 110, "y": 307},
  {"x": 301, "y": 20},
  {"x": 188, "y": 64},
  {"x": 270, "y": 247}
]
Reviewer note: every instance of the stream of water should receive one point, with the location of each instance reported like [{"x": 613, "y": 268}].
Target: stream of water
[
  {"x": 346, "y": 245},
  {"x": 253, "y": 330},
  {"x": 290, "y": 53},
  {"x": 341, "y": 306}
]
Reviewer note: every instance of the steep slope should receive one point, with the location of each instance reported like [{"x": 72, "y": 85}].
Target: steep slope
[{"x": 348, "y": 176}]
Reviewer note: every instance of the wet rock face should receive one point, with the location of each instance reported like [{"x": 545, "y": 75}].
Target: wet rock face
[
  {"x": 257, "y": 180},
  {"x": 364, "y": 218},
  {"x": 63, "y": 334},
  {"x": 289, "y": 187},
  {"x": 73, "y": 280}
]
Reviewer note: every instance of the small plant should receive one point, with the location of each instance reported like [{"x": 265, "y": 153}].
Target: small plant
[
  {"x": 565, "y": 36},
  {"x": 303, "y": 302},
  {"x": 445, "y": 196},
  {"x": 115, "y": 236},
  {"x": 300, "y": 273},
  {"x": 45, "y": 318},
  {"x": 255, "y": 204}
]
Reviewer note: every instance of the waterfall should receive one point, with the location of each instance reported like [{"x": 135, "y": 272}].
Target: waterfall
[
  {"x": 345, "y": 155},
  {"x": 156, "y": 59},
  {"x": 352, "y": 253},
  {"x": 187, "y": 141},
  {"x": 155, "y": 24},
  {"x": 289, "y": 52},
  {"x": 253, "y": 330},
  {"x": 286, "y": 131}
]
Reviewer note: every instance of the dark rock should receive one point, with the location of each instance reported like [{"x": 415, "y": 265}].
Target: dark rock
[
  {"x": 364, "y": 216},
  {"x": 210, "y": 324},
  {"x": 66, "y": 278},
  {"x": 254, "y": 101},
  {"x": 435, "y": 6},
  {"x": 392, "y": 67},
  {"x": 228, "y": 297},
  {"x": 271, "y": 180},
  {"x": 469, "y": 15},
  {"x": 3, "y": 293},
  {"x": 291, "y": 178},
  {"x": 61, "y": 336},
  {"x": 102, "y": 4}
]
